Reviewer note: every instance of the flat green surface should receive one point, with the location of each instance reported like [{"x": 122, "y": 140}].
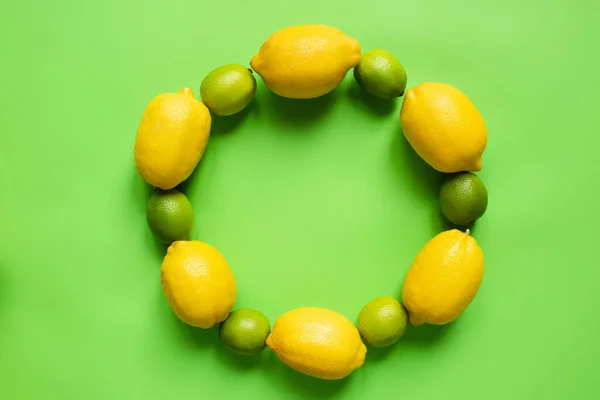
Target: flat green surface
[{"x": 317, "y": 203}]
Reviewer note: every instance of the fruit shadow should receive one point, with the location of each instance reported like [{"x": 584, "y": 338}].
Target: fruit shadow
[
  {"x": 3, "y": 288},
  {"x": 140, "y": 191},
  {"x": 424, "y": 335},
  {"x": 294, "y": 112},
  {"x": 223, "y": 125},
  {"x": 192, "y": 337},
  {"x": 445, "y": 225},
  {"x": 219, "y": 126},
  {"x": 241, "y": 362},
  {"x": 431, "y": 182},
  {"x": 160, "y": 248},
  {"x": 187, "y": 187},
  {"x": 372, "y": 104},
  {"x": 406, "y": 159},
  {"x": 205, "y": 340},
  {"x": 307, "y": 386}
]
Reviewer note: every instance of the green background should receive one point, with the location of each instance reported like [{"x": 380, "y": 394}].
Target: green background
[{"x": 313, "y": 203}]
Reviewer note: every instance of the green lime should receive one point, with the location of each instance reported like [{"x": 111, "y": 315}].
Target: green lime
[
  {"x": 381, "y": 74},
  {"x": 245, "y": 331},
  {"x": 382, "y": 321},
  {"x": 463, "y": 198},
  {"x": 228, "y": 89},
  {"x": 170, "y": 216}
]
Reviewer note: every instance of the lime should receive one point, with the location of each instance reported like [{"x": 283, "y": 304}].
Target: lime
[
  {"x": 381, "y": 74},
  {"x": 382, "y": 321},
  {"x": 170, "y": 216},
  {"x": 228, "y": 89},
  {"x": 245, "y": 331},
  {"x": 463, "y": 198}
]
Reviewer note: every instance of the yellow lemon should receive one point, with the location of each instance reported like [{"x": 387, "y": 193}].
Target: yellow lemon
[
  {"x": 444, "y": 127},
  {"x": 443, "y": 278},
  {"x": 305, "y": 61},
  {"x": 198, "y": 283},
  {"x": 171, "y": 138},
  {"x": 317, "y": 342}
]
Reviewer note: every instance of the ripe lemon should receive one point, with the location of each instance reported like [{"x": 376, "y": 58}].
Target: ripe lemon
[
  {"x": 305, "y": 61},
  {"x": 171, "y": 138},
  {"x": 198, "y": 283},
  {"x": 382, "y": 321},
  {"x": 317, "y": 342},
  {"x": 443, "y": 279},
  {"x": 444, "y": 127}
]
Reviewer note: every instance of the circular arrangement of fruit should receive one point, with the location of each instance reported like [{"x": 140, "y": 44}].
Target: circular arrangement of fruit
[{"x": 307, "y": 61}]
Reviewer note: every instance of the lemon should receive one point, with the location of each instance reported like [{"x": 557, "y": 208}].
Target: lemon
[
  {"x": 317, "y": 342},
  {"x": 198, "y": 283},
  {"x": 444, "y": 127},
  {"x": 381, "y": 74},
  {"x": 171, "y": 138},
  {"x": 463, "y": 198},
  {"x": 305, "y": 61},
  {"x": 382, "y": 321},
  {"x": 170, "y": 216},
  {"x": 443, "y": 279},
  {"x": 228, "y": 89},
  {"x": 245, "y": 331}
]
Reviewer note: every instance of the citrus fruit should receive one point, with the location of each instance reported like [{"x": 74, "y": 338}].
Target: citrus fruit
[
  {"x": 170, "y": 216},
  {"x": 443, "y": 278},
  {"x": 305, "y": 61},
  {"x": 463, "y": 198},
  {"x": 443, "y": 127},
  {"x": 171, "y": 138},
  {"x": 245, "y": 331},
  {"x": 317, "y": 342},
  {"x": 198, "y": 283},
  {"x": 381, "y": 74},
  {"x": 382, "y": 321},
  {"x": 228, "y": 89}
]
